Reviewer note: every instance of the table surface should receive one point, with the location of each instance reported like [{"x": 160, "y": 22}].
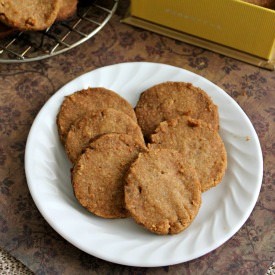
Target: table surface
[{"x": 25, "y": 87}]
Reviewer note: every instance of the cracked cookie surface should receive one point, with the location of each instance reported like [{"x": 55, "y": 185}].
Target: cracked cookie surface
[
  {"x": 162, "y": 191},
  {"x": 201, "y": 146}
]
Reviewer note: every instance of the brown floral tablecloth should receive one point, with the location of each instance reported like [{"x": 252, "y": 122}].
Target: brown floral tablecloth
[{"x": 24, "y": 88}]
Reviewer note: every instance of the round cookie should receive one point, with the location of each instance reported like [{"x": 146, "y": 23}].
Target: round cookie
[
  {"x": 170, "y": 99},
  {"x": 92, "y": 99},
  {"x": 98, "y": 175},
  {"x": 93, "y": 125},
  {"x": 29, "y": 14},
  {"x": 200, "y": 145},
  {"x": 270, "y": 4},
  {"x": 67, "y": 9},
  {"x": 162, "y": 191}
]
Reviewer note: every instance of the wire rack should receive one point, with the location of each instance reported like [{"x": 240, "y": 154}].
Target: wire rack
[{"x": 60, "y": 37}]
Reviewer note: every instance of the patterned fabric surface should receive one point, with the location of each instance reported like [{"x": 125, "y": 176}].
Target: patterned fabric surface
[
  {"x": 24, "y": 88},
  {"x": 271, "y": 270},
  {"x": 10, "y": 265}
]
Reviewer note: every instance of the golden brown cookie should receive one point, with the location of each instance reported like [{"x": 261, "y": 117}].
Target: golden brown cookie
[
  {"x": 93, "y": 125},
  {"x": 29, "y": 14},
  {"x": 78, "y": 104},
  {"x": 201, "y": 146},
  {"x": 270, "y": 4},
  {"x": 170, "y": 99},
  {"x": 67, "y": 9},
  {"x": 98, "y": 175},
  {"x": 162, "y": 191}
]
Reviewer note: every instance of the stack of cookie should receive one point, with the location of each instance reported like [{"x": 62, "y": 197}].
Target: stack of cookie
[
  {"x": 101, "y": 136},
  {"x": 33, "y": 14},
  {"x": 179, "y": 116},
  {"x": 117, "y": 175}
]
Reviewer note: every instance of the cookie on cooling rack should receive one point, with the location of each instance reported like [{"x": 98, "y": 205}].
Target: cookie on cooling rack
[
  {"x": 98, "y": 175},
  {"x": 93, "y": 125},
  {"x": 67, "y": 9},
  {"x": 29, "y": 14},
  {"x": 162, "y": 191},
  {"x": 92, "y": 99}
]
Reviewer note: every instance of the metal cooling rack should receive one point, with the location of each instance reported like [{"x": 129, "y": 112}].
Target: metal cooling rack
[{"x": 60, "y": 37}]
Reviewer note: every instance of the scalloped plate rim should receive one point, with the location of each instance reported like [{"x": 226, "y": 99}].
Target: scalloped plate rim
[{"x": 41, "y": 205}]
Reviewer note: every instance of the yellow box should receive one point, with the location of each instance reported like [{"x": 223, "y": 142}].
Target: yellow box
[{"x": 231, "y": 27}]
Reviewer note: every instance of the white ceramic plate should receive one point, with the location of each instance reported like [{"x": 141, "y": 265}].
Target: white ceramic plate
[{"x": 224, "y": 208}]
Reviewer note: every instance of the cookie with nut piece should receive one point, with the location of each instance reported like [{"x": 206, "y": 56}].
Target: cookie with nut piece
[{"x": 29, "y": 14}]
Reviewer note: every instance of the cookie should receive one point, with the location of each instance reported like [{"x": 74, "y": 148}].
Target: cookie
[
  {"x": 78, "y": 104},
  {"x": 91, "y": 126},
  {"x": 170, "y": 99},
  {"x": 270, "y": 4},
  {"x": 67, "y": 9},
  {"x": 29, "y": 14},
  {"x": 98, "y": 175},
  {"x": 200, "y": 145},
  {"x": 162, "y": 191}
]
